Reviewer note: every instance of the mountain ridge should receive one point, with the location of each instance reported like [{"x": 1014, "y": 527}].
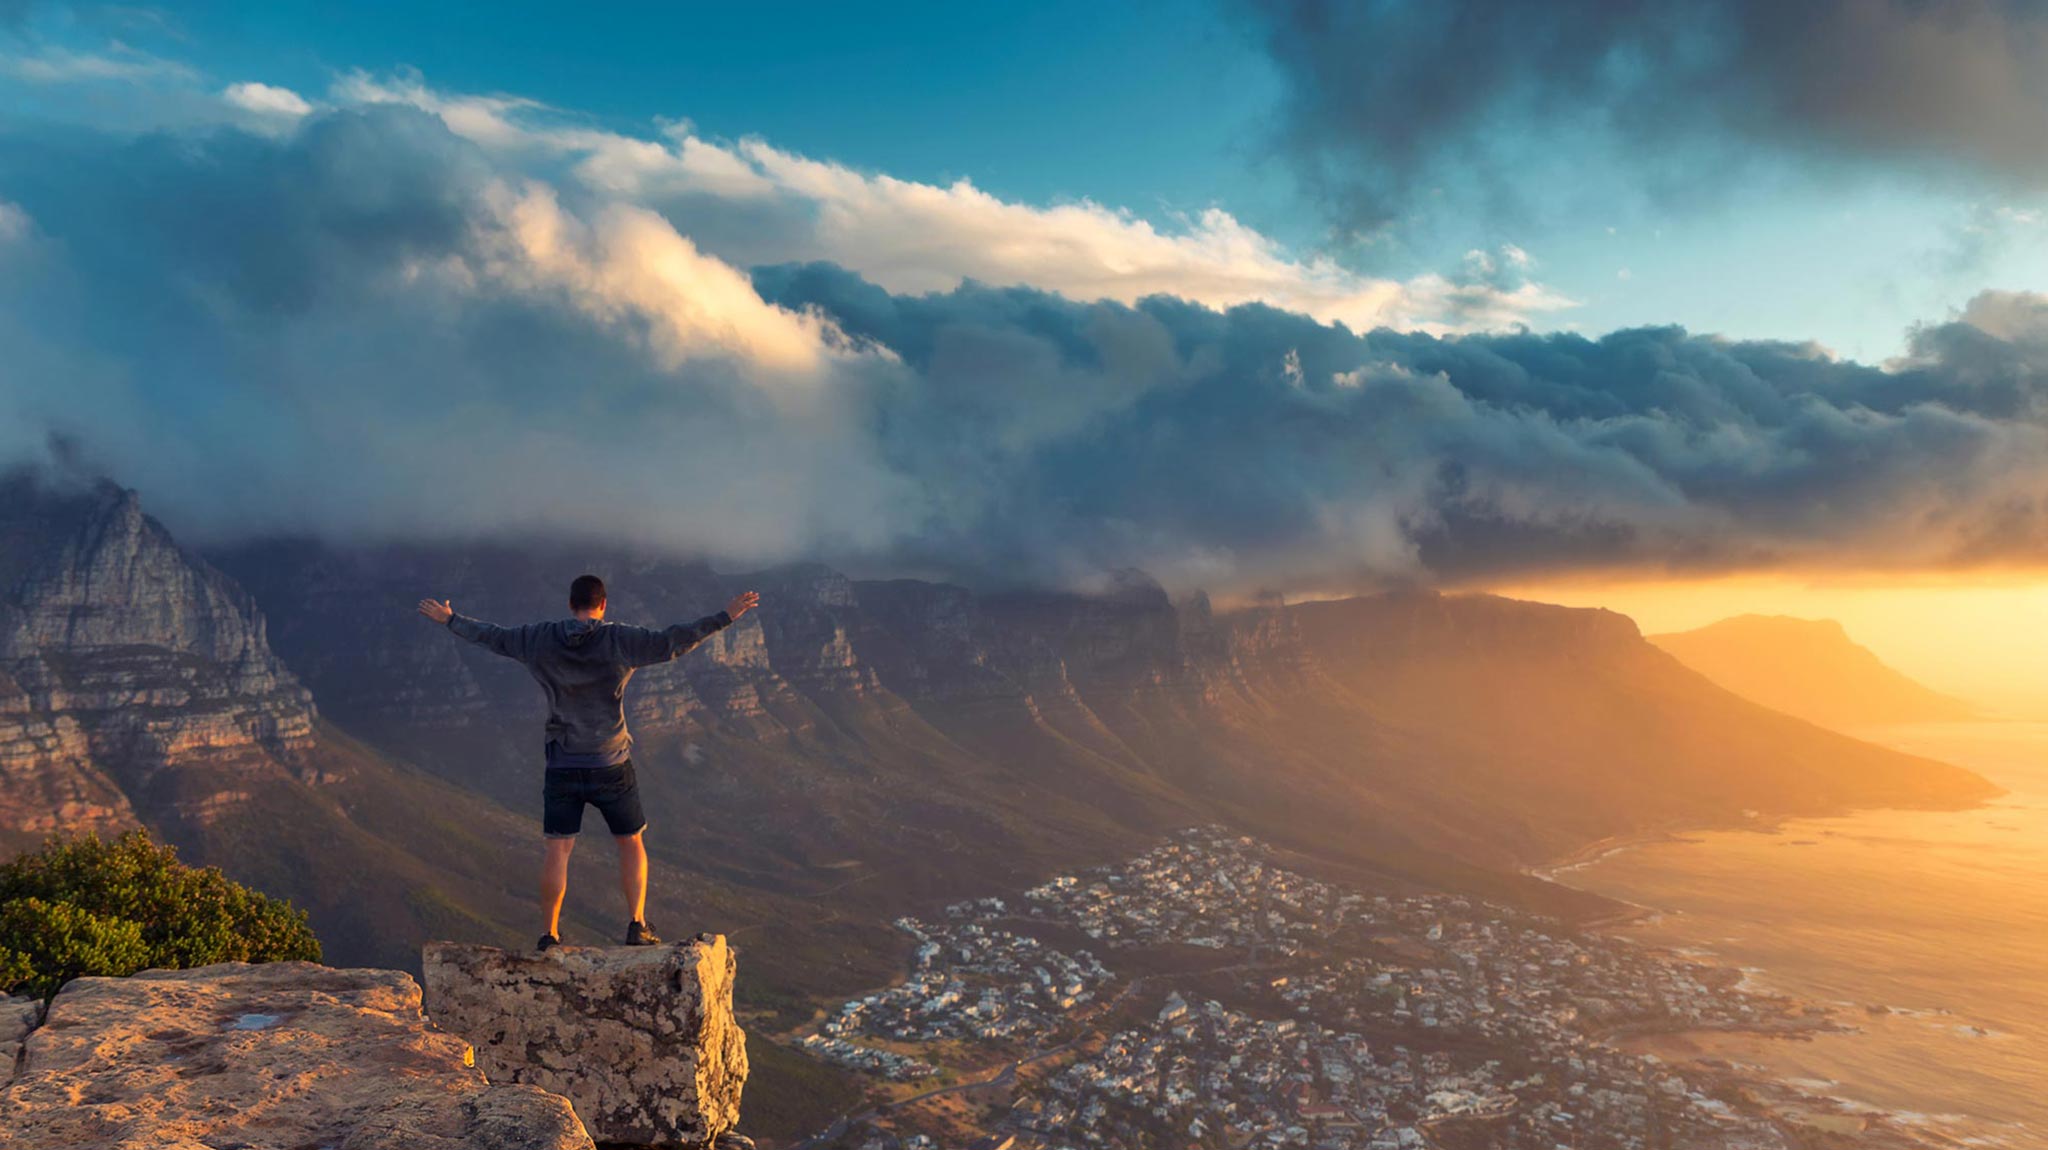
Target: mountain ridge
[
  {"x": 883, "y": 723},
  {"x": 1810, "y": 668},
  {"x": 1159, "y": 712}
]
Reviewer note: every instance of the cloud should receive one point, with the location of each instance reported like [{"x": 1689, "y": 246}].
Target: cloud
[
  {"x": 372, "y": 326},
  {"x": 748, "y": 203},
  {"x": 366, "y": 329},
  {"x": 753, "y": 203},
  {"x": 56, "y": 65},
  {"x": 1384, "y": 99},
  {"x": 266, "y": 99},
  {"x": 1254, "y": 447}
]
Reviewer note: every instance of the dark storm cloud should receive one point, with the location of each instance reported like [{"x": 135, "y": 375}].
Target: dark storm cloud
[
  {"x": 368, "y": 328},
  {"x": 1385, "y": 94}
]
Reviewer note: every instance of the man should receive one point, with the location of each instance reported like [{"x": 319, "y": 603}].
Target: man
[{"x": 583, "y": 664}]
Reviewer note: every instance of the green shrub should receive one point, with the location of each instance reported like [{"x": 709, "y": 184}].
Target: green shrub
[{"x": 83, "y": 906}]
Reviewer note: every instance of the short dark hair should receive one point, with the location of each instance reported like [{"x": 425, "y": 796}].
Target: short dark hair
[{"x": 586, "y": 593}]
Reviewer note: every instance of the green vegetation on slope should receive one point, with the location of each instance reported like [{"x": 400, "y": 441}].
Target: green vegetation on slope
[{"x": 81, "y": 906}]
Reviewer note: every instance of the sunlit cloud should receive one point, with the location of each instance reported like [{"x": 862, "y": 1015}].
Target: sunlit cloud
[
  {"x": 915, "y": 237},
  {"x": 266, "y": 99},
  {"x": 629, "y": 264},
  {"x": 403, "y": 313}
]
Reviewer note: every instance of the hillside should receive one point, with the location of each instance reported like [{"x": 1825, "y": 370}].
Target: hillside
[
  {"x": 1809, "y": 668},
  {"x": 852, "y": 751}
]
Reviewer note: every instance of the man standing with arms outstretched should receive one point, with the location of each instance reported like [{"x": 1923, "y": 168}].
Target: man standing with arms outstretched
[{"x": 583, "y": 664}]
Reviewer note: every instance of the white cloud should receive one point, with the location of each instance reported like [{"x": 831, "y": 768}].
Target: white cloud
[
  {"x": 630, "y": 263},
  {"x": 266, "y": 99},
  {"x": 487, "y": 120},
  {"x": 909, "y": 236},
  {"x": 14, "y": 223},
  {"x": 2019, "y": 317},
  {"x": 64, "y": 66}
]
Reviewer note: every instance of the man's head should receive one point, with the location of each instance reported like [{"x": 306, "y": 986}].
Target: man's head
[{"x": 586, "y": 597}]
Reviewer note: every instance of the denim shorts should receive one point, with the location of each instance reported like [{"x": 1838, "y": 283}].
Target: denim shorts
[{"x": 612, "y": 790}]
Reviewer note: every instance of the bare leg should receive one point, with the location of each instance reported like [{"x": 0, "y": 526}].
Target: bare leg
[
  {"x": 554, "y": 882},
  {"x": 633, "y": 874}
]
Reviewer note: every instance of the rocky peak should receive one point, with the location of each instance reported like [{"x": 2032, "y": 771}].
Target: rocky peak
[
  {"x": 122, "y": 656},
  {"x": 104, "y": 575}
]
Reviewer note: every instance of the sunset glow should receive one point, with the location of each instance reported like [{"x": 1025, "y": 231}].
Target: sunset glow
[
  {"x": 1974, "y": 638},
  {"x": 1225, "y": 575}
]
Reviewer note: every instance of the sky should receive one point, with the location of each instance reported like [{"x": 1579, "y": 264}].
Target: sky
[{"x": 1707, "y": 294}]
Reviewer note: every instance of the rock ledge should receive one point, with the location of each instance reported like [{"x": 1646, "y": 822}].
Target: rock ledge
[
  {"x": 280, "y": 1056},
  {"x": 640, "y": 1040}
]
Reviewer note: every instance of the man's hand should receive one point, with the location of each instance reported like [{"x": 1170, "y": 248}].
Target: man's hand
[
  {"x": 439, "y": 612},
  {"x": 742, "y": 603}
]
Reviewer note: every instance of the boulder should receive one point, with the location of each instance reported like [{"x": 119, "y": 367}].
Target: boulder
[
  {"x": 283, "y": 1056},
  {"x": 641, "y": 1040},
  {"x": 18, "y": 1016}
]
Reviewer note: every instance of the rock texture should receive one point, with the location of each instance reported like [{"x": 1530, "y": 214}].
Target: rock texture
[
  {"x": 285, "y": 1056},
  {"x": 641, "y": 1040},
  {"x": 127, "y": 667},
  {"x": 18, "y": 1016}
]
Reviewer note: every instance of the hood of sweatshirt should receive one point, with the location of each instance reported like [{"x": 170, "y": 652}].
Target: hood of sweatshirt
[{"x": 577, "y": 632}]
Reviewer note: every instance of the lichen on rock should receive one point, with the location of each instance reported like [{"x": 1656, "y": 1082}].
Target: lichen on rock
[{"x": 641, "y": 1040}]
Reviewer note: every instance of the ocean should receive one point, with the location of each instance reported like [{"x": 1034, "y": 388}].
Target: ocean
[{"x": 1929, "y": 930}]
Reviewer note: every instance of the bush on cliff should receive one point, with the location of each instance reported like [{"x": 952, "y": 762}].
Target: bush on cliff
[{"x": 82, "y": 906}]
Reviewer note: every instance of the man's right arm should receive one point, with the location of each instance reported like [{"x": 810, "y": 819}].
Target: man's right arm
[{"x": 511, "y": 642}]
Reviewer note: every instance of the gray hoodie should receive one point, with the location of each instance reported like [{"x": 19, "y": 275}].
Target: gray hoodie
[{"x": 583, "y": 665}]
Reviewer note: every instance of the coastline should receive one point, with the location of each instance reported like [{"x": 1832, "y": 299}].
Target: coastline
[
  {"x": 1762, "y": 822},
  {"x": 1773, "y": 822},
  {"x": 1803, "y": 1109},
  {"x": 1804, "y": 1105}
]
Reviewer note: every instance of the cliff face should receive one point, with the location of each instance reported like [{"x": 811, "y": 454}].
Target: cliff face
[
  {"x": 132, "y": 674},
  {"x": 999, "y": 729}
]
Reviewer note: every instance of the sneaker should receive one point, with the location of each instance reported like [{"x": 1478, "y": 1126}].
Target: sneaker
[
  {"x": 547, "y": 942},
  {"x": 640, "y": 934}
]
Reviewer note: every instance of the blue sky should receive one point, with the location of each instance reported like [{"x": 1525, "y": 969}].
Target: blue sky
[
  {"x": 1250, "y": 294},
  {"x": 1156, "y": 109}
]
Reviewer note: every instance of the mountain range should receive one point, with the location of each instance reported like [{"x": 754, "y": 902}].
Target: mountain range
[
  {"x": 852, "y": 750},
  {"x": 1810, "y": 668}
]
